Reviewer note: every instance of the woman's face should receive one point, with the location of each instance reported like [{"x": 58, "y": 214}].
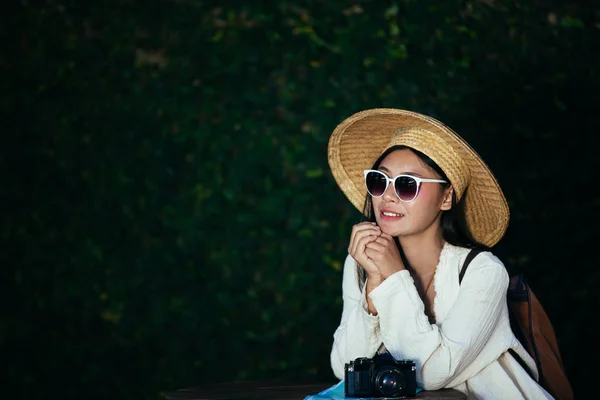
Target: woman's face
[{"x": 399, "y": 218}]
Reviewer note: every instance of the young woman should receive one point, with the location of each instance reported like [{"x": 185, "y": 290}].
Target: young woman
[{"x": 427, "y": 198}]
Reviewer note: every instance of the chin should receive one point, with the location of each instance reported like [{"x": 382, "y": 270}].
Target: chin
[
  {"x": 390, "y": 230},
  {"x": 392, "y": 233}
]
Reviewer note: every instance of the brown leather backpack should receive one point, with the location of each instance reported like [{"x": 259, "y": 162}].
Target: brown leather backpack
[{"x": 532, "y": 327}]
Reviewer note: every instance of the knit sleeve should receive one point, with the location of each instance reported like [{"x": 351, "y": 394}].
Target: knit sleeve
[
  {"x": 358, "y": 332},
  {"x": 470, "y": 337}
]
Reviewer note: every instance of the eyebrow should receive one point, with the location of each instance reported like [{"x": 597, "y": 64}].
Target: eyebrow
[{"x": 414, "y": 173}]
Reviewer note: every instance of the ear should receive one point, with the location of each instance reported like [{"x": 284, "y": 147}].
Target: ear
[{"x": 447, "y": 199}]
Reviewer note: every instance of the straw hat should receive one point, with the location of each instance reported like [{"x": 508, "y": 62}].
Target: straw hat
[{"x": 359, "y": 140}]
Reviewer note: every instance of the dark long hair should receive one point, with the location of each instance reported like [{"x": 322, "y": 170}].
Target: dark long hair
[{"x": 453, "y": 221}]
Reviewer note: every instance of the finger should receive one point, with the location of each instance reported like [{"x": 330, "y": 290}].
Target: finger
[
  {"x": 385, "y": 241},
  {"x": 369, "y": 265},
  {"x": 360, "y": 231},
  {"x": 374, "y": 251},
  {"x": 372, "y": 254},
  {"x": 387, "y": 236},
  {"x": 376, "y": 246},
  {"x": 353, "y": 240},
  {"x": 365, "y": 226},
  {"x": 362, "y": 242}
]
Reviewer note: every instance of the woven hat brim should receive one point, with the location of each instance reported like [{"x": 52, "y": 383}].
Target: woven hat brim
[{"x": 360, "y": 139}]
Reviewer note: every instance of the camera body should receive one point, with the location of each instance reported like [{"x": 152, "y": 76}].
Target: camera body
[{"x": 380, "y": 376}]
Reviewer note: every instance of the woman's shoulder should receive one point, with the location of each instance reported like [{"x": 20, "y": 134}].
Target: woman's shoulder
[
  {"x": 459, "y": 253},
  {"x": 484, "y": 260}
]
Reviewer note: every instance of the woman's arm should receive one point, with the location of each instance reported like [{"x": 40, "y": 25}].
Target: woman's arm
[
  {"x": 473, "y": 334},
  {"x": 358, "y": 332}
]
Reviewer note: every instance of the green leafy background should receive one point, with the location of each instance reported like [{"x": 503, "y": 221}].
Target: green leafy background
[{"x": 169, "y": 217}]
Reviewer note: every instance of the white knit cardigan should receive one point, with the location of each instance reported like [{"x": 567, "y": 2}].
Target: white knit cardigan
[{"x": 466, "y": 349}]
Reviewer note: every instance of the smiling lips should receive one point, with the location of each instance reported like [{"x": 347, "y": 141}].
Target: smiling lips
[{"x": 390, "y": 216}]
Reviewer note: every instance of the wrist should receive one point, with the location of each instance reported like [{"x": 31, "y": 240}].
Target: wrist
[
  {"x": 388, "y": 269},
  {"x": 391, "y": 272},
  {"x": 374, "y": 279}
]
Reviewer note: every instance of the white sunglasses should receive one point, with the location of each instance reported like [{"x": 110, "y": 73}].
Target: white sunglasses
[{"x": 406, "y": 187}]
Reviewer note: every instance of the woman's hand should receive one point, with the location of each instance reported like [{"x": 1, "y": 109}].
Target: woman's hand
[
  {"x": 384, "y": 253},
  {"x": 362, "y": 234}
]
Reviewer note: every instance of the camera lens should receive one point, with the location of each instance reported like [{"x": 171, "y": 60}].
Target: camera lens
[{"x": 390, "y": 381}]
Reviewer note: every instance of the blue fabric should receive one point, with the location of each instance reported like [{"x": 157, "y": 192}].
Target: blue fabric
[{"x": 337, "y": 392}]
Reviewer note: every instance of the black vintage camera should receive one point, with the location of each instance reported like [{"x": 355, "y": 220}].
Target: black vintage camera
[{"x": 380, "y": 376}]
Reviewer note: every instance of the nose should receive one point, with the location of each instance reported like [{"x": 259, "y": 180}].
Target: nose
[{"x": 390, "y": 194}]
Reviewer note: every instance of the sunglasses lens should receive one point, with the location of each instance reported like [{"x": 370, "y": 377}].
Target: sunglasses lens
[
  {"x": 406, "y": 188},
  {"x": 376, "y": 183}
]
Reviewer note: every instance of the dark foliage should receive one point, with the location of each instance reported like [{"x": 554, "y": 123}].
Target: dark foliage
[{"x": 169, "y": 217}]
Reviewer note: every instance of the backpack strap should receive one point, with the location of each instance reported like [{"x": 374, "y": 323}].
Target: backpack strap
[{"x": 472, "y": 254}]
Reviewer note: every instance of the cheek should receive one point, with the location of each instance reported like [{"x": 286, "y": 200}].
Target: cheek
[
  {"x": 430, "y": 197},
  {"x": 375, "y": 202}
]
